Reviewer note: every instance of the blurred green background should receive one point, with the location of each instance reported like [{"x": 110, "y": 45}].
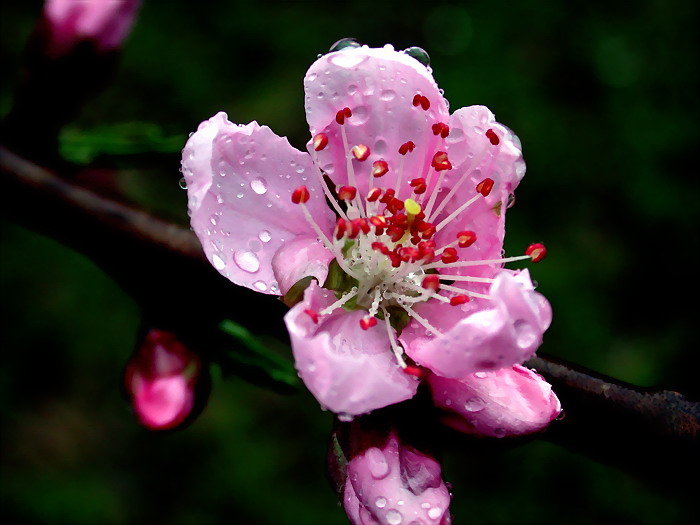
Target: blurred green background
[{"x": 604, "y": 98}]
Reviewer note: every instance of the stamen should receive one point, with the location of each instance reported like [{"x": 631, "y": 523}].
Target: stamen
[
  {"x": 454, "y": 214},
  {"x": 449, "y": 288},
  {"x": 373, "y": 194},
  {"x": 449, "y": 255},
  {"x": 360, "y": 152},
  {"x": 442, "y": 129},
  {"x": 347, "y": 193},
  {"x": 456, "y": 300},
  {"x": 431, "y": 282},
  {"x": 493, "y": 138},
  {"x": 465, "y": 278},
  {"x": 398, "y": 352},
  {"x": 320, "y": 141},
  {"x": 340, "y": 302},
  {"x": 422, "y": 320},
  {"x": 485, "y": 187},
  {"x": 300, "y": 195},
  {"x": 379, "y": 168},
  {"x": 462, "y": 264},
  {"x": 536, "y": 251},
  {"x": 348, "y": 160},
  {"x": 368, "y": 322},
  {"x": 466, "y": 238}
]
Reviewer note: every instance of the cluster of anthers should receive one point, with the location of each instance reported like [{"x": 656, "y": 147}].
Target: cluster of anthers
[{"x": 384, "y": 241}]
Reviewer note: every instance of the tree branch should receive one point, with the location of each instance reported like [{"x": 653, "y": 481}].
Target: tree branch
[{"x": 651, "y": 433}]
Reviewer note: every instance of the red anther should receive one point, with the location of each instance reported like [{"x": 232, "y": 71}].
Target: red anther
[
  {"x": 378, "y": 220},
  {"x": 456, "y": 300},
  {"x": 347, "y": 193},
  {"x": 485, "y": 187},
  {"x": 419, "y": 186},
  {"x": 320, "y": 141},
  {"x": 400, "y": 220},
  {"x": 360, "y": 152},
  {"x": 417, "y": 100},
  {"x": 340, "y": 227},
  {"x": 414, "y": 371},
  {"x": 380, "y": 247},
  {"x": 441, "y": 162},
  {"x": 395, "y": 233},
  {"x": 442, "y": 129},
  {"x": 536, "y": 251},
  {"x": 431, "y": 282},
  {"x": 373, "y": 194},
  {"x": 300, "y": 195},
  {"x": 425, "y": 103},
  {"x": 409, "y": 253},
  {"x": 449, "y": 255},
  {"x": 364, "y": 225},
  {"x": 406, "y": 147},
  {"x": 342, "y": 115},
  {"x": 466, "y": 238},
  {"x": 415, "y": 239},
  {"x": 429, "y": 232},
  {"x": 417, "y": 182},
  {"x": 388, "y": 195},
  {"x": 419, "y": 190},
  {"x": 493, "y": 138},
  {"x": 368, "y": 322},
  {"x": 379, "y": 168},
  {"x": 423, "y": 226},
  {"x": 395, "y": 259},
  {"x": 313, "y": 314},
  {"x": 358, "y": 225},
  {"x": 427, "y": 245},
  {"x": 395, "y": 205}
]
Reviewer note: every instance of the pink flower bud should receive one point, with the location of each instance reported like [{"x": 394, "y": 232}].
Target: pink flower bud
[
  {"x": 106, "y": 22},
  {"x": 160, "y": 379},
  {"x": 392, "y": 482}
]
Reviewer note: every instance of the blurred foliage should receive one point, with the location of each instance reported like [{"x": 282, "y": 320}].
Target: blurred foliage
[{"x": 604, "y": 98}]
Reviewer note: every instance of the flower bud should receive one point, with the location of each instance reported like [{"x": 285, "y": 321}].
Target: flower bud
[
  {"x": 106, "y": 22},
  {"x": 388, "y": 481},
  {"x": 161, "y": 378}
]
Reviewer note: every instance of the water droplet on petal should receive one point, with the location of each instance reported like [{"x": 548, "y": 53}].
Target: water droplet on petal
[
  {"x": 259, "y": 185},
  {"x": 265, "y": 236},
  {"x": 480, "y": 375},
  {"x": 419, "y": 54},
  {"x": 183, "y": 183},
  {"x": 218, "y": 261},
  {"x": 260, "y": 286},
  {"x": 474, "y": 404},
  {"x": 387, "y": 94},
  {"x": 380, "y": 502},
  {"x": 526, "y": 335},
  {"x": 247, "y": 261},
  {"x": 214, "y": 219},
  {"x": 434, "y": 513},
  {"x": 345, "y": 43},
  {"x": 394, "y": 517}
]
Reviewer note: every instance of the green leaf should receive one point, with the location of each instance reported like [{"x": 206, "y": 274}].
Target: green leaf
[
  {"x": 128, "y": 138},
  {"x": 260, "y": 352}
]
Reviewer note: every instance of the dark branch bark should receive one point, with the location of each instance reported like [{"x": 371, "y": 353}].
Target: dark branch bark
[{"x": 652, "y": 433}]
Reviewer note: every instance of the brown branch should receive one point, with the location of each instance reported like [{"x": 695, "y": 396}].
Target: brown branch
[{"x": 652, "y": 433}]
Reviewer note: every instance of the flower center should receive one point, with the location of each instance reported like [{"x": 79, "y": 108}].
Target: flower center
[{"x": 386, "y": 256}]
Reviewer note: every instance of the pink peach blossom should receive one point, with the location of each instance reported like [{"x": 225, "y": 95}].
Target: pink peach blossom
[
  {"x": 106, "y": 22},
  {"x": 405, "y": 245}
]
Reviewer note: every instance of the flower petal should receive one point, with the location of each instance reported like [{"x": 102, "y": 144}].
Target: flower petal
[
  {"x": 506, "y": 402},
  {"x": 239, "y": 182},
  {"x": 378, "y": 85},
  {"x": 302, "y": 257},
  {"x": 349, "y": 370},
  {"x": 506, "y": 332},
  {"x": 395, "y": 483}
]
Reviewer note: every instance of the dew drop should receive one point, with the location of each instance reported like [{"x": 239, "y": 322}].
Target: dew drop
[
  {"x": 345, "y": 43},
  {"x": 434, "y": 513},
  {"x": 214, "y": 220},
  {"x": 265, "y": 236},
  {"x": 239, "y": 194},
  {"x": 260, "y": 286},
  {"x": 525, "y": 334},
  {"x": 259, "y": 186},
  {"x": 480, "y": 375},
  {"x": 380, "y": 147},
  {"x": 352, "y": 89},
  {"x": 218, "y": 262},
  {"x": 360, "y": 115},
  {"x": 247, "y": 261},
  {"x": 220, "y": 198},
  {"x": 474, "y": 404},
  {"x": 394, "y": 517},
  {"x": 419, "y": 54},
  {"x": 387, "y": 94},
  {"x": 348, "y": 60},
  {"x": 183, "y": 183},
  {"x": 380, "y": 502}
]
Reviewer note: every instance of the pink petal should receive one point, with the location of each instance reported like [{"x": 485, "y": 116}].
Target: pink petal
[
  {"x": 506, "y": 402},
  {"x": 378, "y": 85},
  {"x": 239, "y": 182},
  {"x": 162, "y": 402},
  {"x": 349, "y": 370},
  {"x": 505, "y": 332},
  {"x": 395, "y": 484},
  {"x": 302, "y": 257}
]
